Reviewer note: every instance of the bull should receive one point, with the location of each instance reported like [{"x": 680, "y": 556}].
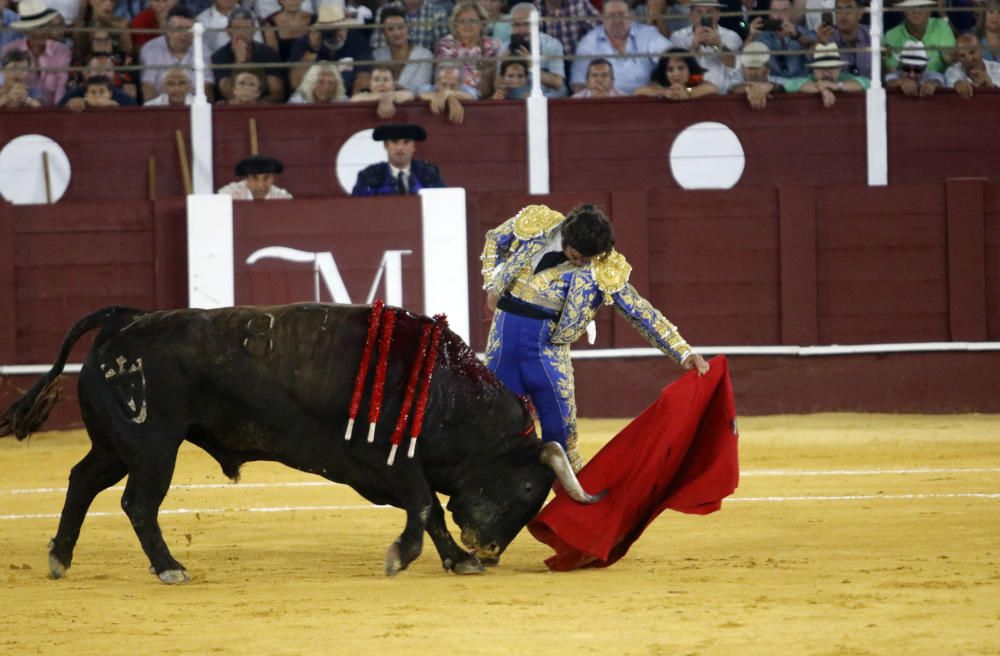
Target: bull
[{"x": 275, "y": 383}]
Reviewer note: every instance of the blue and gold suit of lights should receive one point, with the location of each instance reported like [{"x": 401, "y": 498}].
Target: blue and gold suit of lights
[{"x": 530, "y": 354}]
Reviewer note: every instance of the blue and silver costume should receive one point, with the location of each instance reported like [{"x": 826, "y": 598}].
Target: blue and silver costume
[{"x": 543, "y": 310}]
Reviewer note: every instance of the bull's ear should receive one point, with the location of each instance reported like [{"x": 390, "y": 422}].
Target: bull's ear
[{"x": 554, "y": 456}]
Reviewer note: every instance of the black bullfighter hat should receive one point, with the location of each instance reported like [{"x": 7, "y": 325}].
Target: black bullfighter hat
[
  {"x": 395, "y": 131},
  {"x": 256, "y": 164}
]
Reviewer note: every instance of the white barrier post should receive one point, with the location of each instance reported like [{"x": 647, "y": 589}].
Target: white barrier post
[
  {"x": 201, "y": 122},
  {"x": 875, "y": 108},
  {"x": 210, "y": 251},
  {"x": 446, "y": 256},
  {"x": 537, "y": 107}
]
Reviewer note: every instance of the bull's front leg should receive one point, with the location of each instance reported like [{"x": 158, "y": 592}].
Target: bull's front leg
[{"x": 453, "y": 557}]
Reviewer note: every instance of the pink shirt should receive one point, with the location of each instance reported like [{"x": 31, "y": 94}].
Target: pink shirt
[
  {"x": 450, "y": 48},
  {"x": 51, "y": 84}
]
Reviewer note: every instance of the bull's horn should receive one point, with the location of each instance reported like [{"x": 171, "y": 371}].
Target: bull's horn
[{"x": 554, "y": 456}]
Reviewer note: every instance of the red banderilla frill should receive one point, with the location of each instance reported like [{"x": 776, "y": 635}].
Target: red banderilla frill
[
  {"x": 411, "y": 384},
  {"x": 440, "y": 323},
  {"x": 359, "y": 382},
  {"x": 378, "y": 387}
]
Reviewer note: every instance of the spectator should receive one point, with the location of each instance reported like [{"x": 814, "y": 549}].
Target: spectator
[
  {"x": 7, "y": 33},
  {"x": 469, "y": 46},
  {"x": 198, "y": 6},
  {"x": 129, "y": 9},
  {"x": 848, "y": 33},
  {"x": 332, "y": 39},
  {"x": 43, "y": 51},
  {"x": 971, "y": 72},
  {"x": 401, "y": 174},
  {"x": 448, "y": 92},
  {"x": 97, "y": 92},
  {"x": 102, "y": 47},
  {"x": 69, "y": 10},
  {"x": 153, "y": 17},
  {"x": 811, "y": 12},
  {"x": 216, "y": 20},
  {"x": 287, "y": 25},
  {"x": 100, "y": 14},
  {"x": 658, "y": 14},
  {"x": 512, "y": 82},
  {"x": 14, "y": 90},
  {"x": 754, "y": 78},
  {"x": 600, "y": 80},
  {"x": 172, "y": 49},
  {"x": 779, "y": 33},
  {"x": 567, "y": 21},
  {"x": 934, "y": 33},
  {"x": 258, "y": 173},
  {"x": 411, "y": 64},
  {"x": 716, "y": 45},
  {"x": 677, "y": 77},
  {"x": 383, "y": 92},
  {"x": 99, "y": 66},
  {"x": 551, "y": 50},
  {"x": 177, "y": 90},
  {"x": 498, "y": 26},
  {"x": 427, "y": 23},
  {"x": 321, "y": 84},
  {"x": 242, "y": 50},
  {"x": 988, "y": 30},
  {"x": 828, "y": 76},
  {"x": 247, "y": 88},
  {"x": 912, "y": 77},
  {"x": 618, "y": 35}
]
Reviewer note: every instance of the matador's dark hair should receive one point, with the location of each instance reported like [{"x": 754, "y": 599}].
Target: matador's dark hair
[{"x": 589, "y": 231}]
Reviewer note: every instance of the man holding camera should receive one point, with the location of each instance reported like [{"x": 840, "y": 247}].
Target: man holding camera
[
  {"x": 331, "y": 39},
  {"x": 783, "y": 37},
  {"x": 717, "y": 46},
  {"x": 853, "y": 38},
  {"x": 550, "y": 49}
]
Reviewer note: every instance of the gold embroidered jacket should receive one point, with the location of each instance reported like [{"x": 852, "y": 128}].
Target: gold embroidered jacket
[{"x": 575, "y": 293}]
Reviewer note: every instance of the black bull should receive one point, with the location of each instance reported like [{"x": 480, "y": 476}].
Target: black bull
[{"x": 275, "y": 383}]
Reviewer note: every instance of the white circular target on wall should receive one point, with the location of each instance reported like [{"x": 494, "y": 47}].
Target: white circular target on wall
[
  {"x": 358, "y": 152},
  {"x": 34, "y": 170},
  {"x": 707, "y": 156}
]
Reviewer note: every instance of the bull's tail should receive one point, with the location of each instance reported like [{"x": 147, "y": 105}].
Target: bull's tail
[{"x": 27, "y": 414}]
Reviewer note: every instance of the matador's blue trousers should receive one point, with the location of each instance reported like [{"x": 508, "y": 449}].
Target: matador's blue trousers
[{"x": 521, "y": 355}]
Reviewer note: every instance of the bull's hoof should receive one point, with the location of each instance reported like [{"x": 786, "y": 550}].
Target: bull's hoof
[
  {"x": 471, "y": 565},
  {"x": 56, "y": 569},
  {"x": 393, "y": 560},
  {"x": 174, "y": 576}
]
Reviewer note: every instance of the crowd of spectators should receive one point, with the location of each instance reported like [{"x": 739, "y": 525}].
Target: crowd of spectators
[{"x": 99, "y": 53}]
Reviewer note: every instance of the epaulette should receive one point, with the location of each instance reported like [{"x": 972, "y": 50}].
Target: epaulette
[
  {"x": 535, "y": 220},
  {"x": 611, "y": 273}
]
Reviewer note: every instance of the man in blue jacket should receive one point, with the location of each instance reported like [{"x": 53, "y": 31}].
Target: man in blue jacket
[{"x": 401, "y": 174}]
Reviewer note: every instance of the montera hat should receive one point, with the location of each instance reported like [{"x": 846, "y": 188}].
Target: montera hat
[
  {"x": 33, "y": 13},
  {"x": 394, "y": 131},
  {"x": 913, "y": 54},
  {"x": 755, "y": 54},
  {"x": 258, "y": 164},
  {"x": 826, "y": 55}
]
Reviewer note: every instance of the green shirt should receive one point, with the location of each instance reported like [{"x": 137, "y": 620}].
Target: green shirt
[
  {"x": 795, "y": 84},
  {"x": 938, "y": 39}
]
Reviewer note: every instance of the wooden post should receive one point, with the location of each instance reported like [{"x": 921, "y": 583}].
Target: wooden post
[
  {"x": 185, "y": 168},
  {"x": 48, "y": 177},
  {"x": 152, "y": 177},
  {"x": 253, "y": 137}
]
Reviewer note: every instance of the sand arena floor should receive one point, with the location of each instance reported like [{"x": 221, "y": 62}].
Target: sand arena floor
[{"x": 850, "y": 534}]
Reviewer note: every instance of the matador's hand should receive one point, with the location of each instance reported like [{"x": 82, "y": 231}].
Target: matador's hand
[{"x": 695, "y": 361}]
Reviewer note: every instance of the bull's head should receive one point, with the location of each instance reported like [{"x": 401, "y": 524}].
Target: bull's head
[{"x": 507, "y": 494}]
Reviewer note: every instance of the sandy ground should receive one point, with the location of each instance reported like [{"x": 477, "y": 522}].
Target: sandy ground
[{"x": 850, "y": 534}]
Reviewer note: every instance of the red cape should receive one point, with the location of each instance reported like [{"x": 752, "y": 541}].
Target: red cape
[{"x": 680, "y": 453}]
